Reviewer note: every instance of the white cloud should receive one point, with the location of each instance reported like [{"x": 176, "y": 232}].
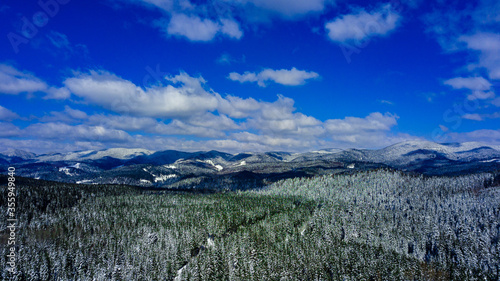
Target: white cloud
[
  {"x": 237, "y": 107},
  {"x": 484, "y": 135},
  {"x": 122, "y": 96},
  {"x": 57, "y": 93},
  {"x": 471, "y": 83},
  {"x": 49, "y": 146},
  {"x": 7, "y": 115},
  {"x": 352, "y": 125},
  {"x": 201, "y": 125},
  {"x": 275, "y": 142},
  {"x": 488, "y": 47},
  {"x": 231, "y": 28},
  {"x": 473, "y": 116},
  {"x": 14, "y": 82},
  {"x": 62, "y": 131},
  {"x": 387, "y": 102},
  {"x": 203, "y": 21},
  {"x": 371, "y": 131},
  {"x": 363, "y": 25},
  {"x": 69, "y": 115},
  {"x": 247, "y": 8},
  {"x": 199, "y": 29},
  {"x": 292, "y": 77},
  {"x": 75, "y": 113},
  {"x": 179, "y": 127},
  {"x": 481, "y": 117},
  {"x": 279, "y": 119},
  {"x": 496, "y": 102},
  {"x": 122, "y": 122},
  {"x": 9, "y": 130},
  {"x": 479, "y": 86},
  {"x": 289, "y": 9},
  {"x": 192, "y": 27},
  {"x": 187, "y": 107}
]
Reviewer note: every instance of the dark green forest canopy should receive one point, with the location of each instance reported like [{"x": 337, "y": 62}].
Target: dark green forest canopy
[{"x": 372, "y": 225}]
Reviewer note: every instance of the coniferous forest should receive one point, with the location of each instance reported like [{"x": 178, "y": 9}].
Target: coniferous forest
[{"x": 367, "y": 225}]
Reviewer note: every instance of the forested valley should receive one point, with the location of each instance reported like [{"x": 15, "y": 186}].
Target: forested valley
[{"x": 366, "y": 225}]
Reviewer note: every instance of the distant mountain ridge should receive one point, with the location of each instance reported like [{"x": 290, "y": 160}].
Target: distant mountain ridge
[{"x": 170, "y": 167}]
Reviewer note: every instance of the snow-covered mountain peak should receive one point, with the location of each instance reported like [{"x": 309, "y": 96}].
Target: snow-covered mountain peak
[
  {"x": 121, "y": 153},
  {"x": 11, "y": 152}
]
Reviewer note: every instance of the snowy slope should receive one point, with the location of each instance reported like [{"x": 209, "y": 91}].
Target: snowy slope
[{"x": 118, "y": 153}]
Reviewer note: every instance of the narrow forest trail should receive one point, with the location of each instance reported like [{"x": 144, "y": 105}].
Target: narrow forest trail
[{"x": 210, "y": 241}]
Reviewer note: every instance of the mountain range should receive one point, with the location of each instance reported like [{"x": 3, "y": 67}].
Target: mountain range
[{"x": 218, "y": 170}]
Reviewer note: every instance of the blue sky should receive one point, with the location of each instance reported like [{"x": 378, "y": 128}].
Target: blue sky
[{"x": 247, "y": 75}]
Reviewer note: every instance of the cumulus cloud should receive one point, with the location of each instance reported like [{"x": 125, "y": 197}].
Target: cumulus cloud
[
  {"x": 479, "y": 86},
  {"x": 487, "y": 45},
  {"x": 13, "y": 82},
  {"x": 288, "y": 9},
  {"x": 122, "y": 96},
  {"x": 9, "y": 130},
  {"x": 292, "y": 77},
  {"x": 481, "y": 117},
  {"x": 280, "y": 119},
  {"x": 69, "y": 115},
  {"x": 230, "y": 28},
  {"x": 204, "y": 21},
  {"x": 49, "y": 146},
  {"x": 351, "y": 125},
  {"x": 370, "y": 131},
  {"x": 122, "y": 122},
  {"x": 473, "y": 116},
  {"x": 62, "y": 131},
  {"x": 363, "y": 25},
  {"x": 159, "y": 117},
  {"x": 247, "y": 8},
  {"x": 274, "y": 142},
  {"x": 471, "y": 83},
  {"x": 200, "y": 29},
  {"x": 237, "y": 107},
  {"x": 7, "y": 115},
  {"x": 484, "y": 135},
  {"x": 192, "y": 27},
  {"x": 201, "y": 125},
  {"x": 180, "y": 127},
  {"x": 57, "y": 93}
]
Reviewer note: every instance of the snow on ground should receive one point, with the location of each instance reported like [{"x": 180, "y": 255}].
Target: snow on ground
[
  {"x": 164, "y": 177},
  {"x": 217, "y": 167},
  {"x": 65, "y": 170},
  {"x": 145, "y": 181},
  {"x": 179, "y": 273},
  {"x": 242, "y": 163},
  {"x": 491, "y": 160},
  {"x": 210, "y": 242},
  {"x": 85, "y": 182},
  {"x": 170, "y": 166}
]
